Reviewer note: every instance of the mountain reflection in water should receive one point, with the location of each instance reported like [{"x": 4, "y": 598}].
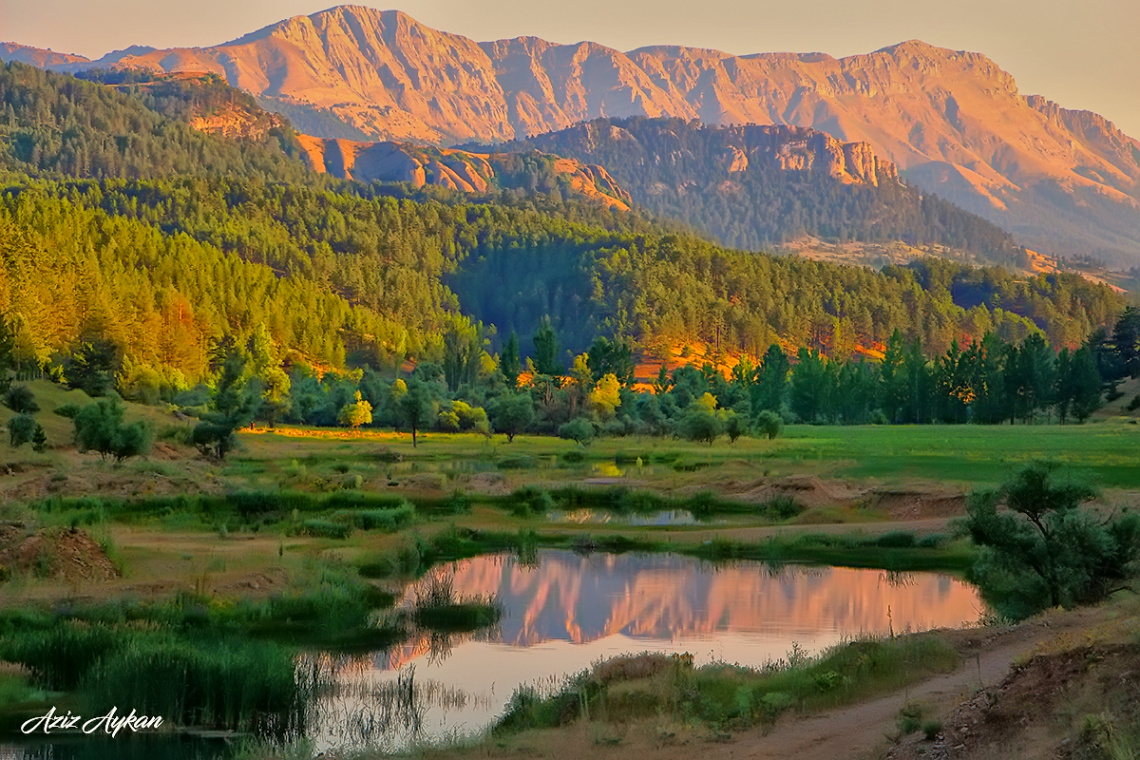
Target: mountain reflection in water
[{"x": 566, "y": 611}]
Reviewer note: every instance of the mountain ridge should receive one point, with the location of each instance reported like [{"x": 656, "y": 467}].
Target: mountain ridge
[{"x": 953, "y": 121}]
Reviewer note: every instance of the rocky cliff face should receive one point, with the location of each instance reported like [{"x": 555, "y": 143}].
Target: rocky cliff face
[
  {"x": 456, "y": 169},
  {"x": 731, "y": 150},
  {"x": 952, "y": 121}
]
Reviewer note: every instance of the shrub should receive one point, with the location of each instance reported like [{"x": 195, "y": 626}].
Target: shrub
[
  {"x": 68, "y": 410},
  {"x": 700, "y": 424},
  {"x": 389, "y": 520},
  {"x": 896, "y": 539},
  {"x": 320, "y": 529},
  {"x": 99, "y": 427},
  {"x": 781, "y": 508},
  {"x": 21, "y": 400},
  {"x": 1045, "y": 550},
  {"x": 579, "y": 430},
  {"x": 22, "y": 429},
  {"x": 769, "y": 423}
]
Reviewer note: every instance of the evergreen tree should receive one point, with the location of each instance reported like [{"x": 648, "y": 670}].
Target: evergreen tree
[
  {"x": 547, "y": 352},
  {"x": 509, "y": 361}
]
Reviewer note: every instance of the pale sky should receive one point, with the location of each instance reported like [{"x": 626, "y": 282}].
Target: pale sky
[{"x": 1080, "y": 53}]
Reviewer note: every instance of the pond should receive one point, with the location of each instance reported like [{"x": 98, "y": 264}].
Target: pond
[{"x": 564, "y": 612}]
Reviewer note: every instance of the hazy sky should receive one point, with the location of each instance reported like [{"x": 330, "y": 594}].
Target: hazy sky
[{"x": 1081, "y": 53}]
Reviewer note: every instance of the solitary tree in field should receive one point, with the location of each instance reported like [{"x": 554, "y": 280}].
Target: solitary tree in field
[
  {"x": 415, "y": 408},
  {"x": 358, "y": 413},
  {"x": 235, "y": 404},
  {"x": 511, "y": 413},
  {"x": 578, "y": 429},
  {"x": 1045, "y": 550},
  {"x": 22, "y": 429},
  {"x": 769, "y": 423}
]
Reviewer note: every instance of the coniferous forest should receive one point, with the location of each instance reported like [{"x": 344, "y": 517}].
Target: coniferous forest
[{"x": 160, "y": 251}]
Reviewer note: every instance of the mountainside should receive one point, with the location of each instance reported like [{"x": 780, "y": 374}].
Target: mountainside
[
  {"x": 119, "y": 222},
  {"x": 755, "y": 187},
  {"x": 953, "y": 122},
  {"x": 461, "y": 170}
]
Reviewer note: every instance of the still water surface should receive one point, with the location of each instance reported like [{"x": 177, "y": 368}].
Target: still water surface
[
  {"x": 561, "y": 613},
  {"x": 565, "y": 611}
]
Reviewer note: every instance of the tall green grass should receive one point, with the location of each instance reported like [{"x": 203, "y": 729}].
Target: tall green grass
[{"x": 438, "y": 608}]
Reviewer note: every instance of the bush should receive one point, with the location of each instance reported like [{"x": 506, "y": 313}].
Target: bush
[
  {"x": 1045, "y": 550},
  {"x": 769, "y": 423},
  {"x": 896, "y": 539},
  {"x": 389, "y": 520},
  {"x": 320, "y": 529},
  {"x": 579, "y": 429},
  {"x": 183, "y": 434},
  {"x": 700, "y": 424},
  {"x": 99, "y": 427},
  {"x": 39, "y": 440},
  {"x": 21, "y": 400},
  {"x": 781, "y": 508},
  {"x": 22, "y": 429},
  {"x": 68, "y": 410}
]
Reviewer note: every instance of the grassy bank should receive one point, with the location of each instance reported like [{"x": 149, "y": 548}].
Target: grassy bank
[{"x": 726, "y": 696}]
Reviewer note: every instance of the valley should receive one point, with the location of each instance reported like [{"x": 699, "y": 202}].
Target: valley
[{"x": 370, "y": 391}]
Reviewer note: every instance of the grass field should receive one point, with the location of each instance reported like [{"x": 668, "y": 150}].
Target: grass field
[{"x": 1108, "y": 451}]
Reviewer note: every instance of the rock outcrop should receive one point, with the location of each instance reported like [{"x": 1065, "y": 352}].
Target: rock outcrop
[{"x": 454, "y": 169}]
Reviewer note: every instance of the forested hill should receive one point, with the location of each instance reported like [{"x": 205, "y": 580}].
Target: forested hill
[
  {"x": 752, "y": 187},
  {"x": 162, "y": 268},
  {"x": 119, "y": 223},
  {"x": 57, "y": 125}
]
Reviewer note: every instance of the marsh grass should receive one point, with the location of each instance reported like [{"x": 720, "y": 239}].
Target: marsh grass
[
  {"x": 196, "y": 659},
  {"x": 438, "y": 608}
]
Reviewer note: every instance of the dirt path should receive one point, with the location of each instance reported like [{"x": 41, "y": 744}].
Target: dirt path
[{"x": 858, "y": 731}]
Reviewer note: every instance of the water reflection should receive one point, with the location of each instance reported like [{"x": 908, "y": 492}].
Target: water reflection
[
  {"x": 561, "y": 612},
  {"x": 567, "y": 611}
]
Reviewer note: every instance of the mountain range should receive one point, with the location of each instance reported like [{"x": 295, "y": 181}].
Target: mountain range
[
  {"x": 953, "y": 122},
  {"x": 766, "y": 187}
]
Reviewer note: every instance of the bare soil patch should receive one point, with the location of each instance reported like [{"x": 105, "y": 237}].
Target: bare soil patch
[{"x": 62, "y": 554}]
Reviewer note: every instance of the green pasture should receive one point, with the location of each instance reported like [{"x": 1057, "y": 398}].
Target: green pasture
[{"x": 1107, "y": 451}]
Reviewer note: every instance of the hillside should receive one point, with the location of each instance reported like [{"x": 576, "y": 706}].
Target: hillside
[
  {"x": 56, "y": 125},
  {"x": 164, "y": 241},
  {"x": 953, "y": 122},
  {"x": 757, "y": 187}
]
